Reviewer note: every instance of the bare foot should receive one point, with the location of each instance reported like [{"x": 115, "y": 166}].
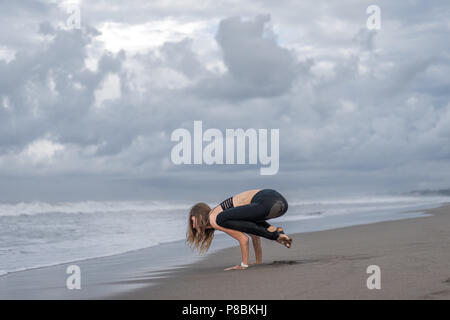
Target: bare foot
[
  {"x": 273, "y": 228},
  {"x": 284, "y": 240}
]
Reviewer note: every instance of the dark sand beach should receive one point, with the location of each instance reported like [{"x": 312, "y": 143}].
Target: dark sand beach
[{"x": 413, "y": 256}]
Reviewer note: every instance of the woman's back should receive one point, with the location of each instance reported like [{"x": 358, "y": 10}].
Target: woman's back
[{"x": 244, "y": 198}]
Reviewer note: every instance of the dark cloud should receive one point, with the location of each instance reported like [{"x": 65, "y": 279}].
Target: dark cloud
[
  {"x": 46, "y": 28},
  {"x": 50, "y": 91},
  {"x": 179, "y": 56},
  {"x": 256, "y": 65},
  {"x": 366, "y": 39},
  {"x": 356, "y": 109}
]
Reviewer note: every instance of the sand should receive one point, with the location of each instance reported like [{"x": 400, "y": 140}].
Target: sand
[{"x": 413, "y": 256}]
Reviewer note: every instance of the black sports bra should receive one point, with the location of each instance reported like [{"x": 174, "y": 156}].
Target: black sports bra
[{"x": 227, "y": 204}]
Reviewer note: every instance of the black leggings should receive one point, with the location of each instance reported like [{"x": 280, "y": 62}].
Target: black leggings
[{"x": 265, "y": 204}]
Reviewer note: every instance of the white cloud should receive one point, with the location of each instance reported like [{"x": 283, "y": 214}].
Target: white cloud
[
  {"x": 348, "y": 106},
  {"x": 109, "y": 89},
  {"x": 7, "y": 54},
  {"x": 140, "y": 38},
  {"x": 323, "y": 70},
  {"x": 6, "y": 103},
  {"x": 41, "y": 150}
]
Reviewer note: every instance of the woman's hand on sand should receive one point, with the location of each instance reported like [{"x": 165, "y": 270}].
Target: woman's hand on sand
[{"x": 238, "y": 267}]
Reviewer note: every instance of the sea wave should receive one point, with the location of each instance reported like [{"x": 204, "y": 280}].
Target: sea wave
[
  {"x": 85, "y": 207},
  {"x": 371, "y": 200}
]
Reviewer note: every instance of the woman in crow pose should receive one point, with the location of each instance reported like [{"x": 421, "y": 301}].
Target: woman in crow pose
[{"x": 246, "y": 212}]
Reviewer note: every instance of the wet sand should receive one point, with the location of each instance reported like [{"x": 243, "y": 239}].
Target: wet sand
[{"x": 413, "y": 256}]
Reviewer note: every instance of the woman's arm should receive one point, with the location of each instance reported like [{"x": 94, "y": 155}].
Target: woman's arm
[
  {"x": 238, "y": 235},
  {"x": 243, "y": 242},
  {"x": 258, "y": 248}
]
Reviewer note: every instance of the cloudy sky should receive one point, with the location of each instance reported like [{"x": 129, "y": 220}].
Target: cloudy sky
[{"x": 88, "y": 113}]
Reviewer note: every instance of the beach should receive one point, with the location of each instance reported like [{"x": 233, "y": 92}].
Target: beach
[{"x": 413, "y": 256}]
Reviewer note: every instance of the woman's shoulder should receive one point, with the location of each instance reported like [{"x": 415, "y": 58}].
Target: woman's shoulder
[{"x": 213, "y": 215}]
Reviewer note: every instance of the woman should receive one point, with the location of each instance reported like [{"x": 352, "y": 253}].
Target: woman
[{"x": 245, "y": 212}]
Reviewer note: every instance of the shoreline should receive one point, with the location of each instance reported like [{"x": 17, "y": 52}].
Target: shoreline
[
  {"x": 227, "y": 239},
  {"x": 413, "y": 255},
  {"x": 150, "y": 273}
]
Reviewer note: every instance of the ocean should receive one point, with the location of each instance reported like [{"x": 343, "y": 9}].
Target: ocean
[{"x": 37, "y": 234}]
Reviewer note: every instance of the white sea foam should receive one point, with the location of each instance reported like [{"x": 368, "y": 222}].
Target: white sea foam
[
  {"x": 327, "y": 208},
  {"x": 85, "y": 207},
  {"x": 40, "y": 234},
  {"x": 371, "y": 200}
]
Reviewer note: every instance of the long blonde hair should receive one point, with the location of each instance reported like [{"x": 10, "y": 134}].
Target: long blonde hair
[{"x": 199, "y": 240}]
